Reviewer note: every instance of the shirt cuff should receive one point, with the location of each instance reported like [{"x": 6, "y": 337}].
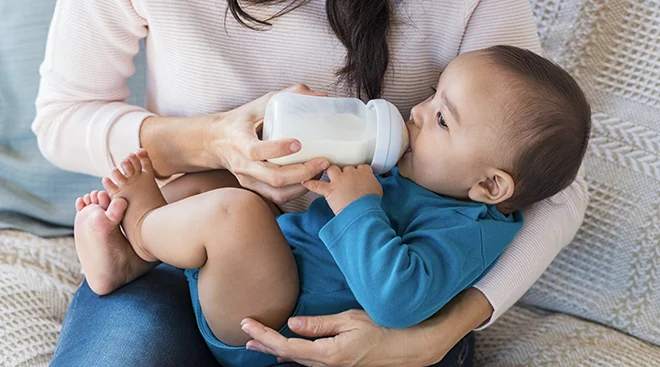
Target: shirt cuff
[
  {"x": 123, "y": 134},
  {"x": 496, "y": 297}
]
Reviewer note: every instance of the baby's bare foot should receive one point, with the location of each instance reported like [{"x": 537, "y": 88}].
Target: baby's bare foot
[
  {"x": 105, "y": 255},
  {"x": 138, "y": 187}
]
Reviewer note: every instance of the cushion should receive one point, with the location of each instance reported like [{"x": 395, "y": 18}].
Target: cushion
[
  {"x": 528, "y": 336},
  {"x": 34, "y": 195},
  {"x": 37, "y": 280},
  {"x": 610, "y": 274}
]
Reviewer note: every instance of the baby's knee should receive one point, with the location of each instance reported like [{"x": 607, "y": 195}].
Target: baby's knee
[{"x": 234, "y": 204}]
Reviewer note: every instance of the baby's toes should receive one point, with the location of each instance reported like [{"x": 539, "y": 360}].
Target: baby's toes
[
  {"x": 145, "y": 160},
  {"x": 135, "y": 162},
  {"x": 87, "y": 199},
  {"x": 104, "y": 199},
  {"x": 80, "y": 204},
  {"x": 93, "y": 196},
  {"x": 118, "y": 177},
  {"x": 116, "y": 210},
  {"x": 109, "y": 185},
  {"x": 128, "y": 168}
]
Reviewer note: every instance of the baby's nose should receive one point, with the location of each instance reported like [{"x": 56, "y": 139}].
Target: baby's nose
[
  {"x": 415, "y": 117},
  {"x": 415, "y": 122}
]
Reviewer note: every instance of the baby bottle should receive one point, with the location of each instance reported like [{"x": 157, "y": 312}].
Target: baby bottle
[{"x": 343, "y": 130}]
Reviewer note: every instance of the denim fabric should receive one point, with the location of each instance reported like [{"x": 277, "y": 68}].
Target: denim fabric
[
  {"x": 150, "y": 322},
  {"x": 35, "y": 196}
]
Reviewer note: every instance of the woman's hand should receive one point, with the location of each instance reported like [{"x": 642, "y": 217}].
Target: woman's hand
[
  {"x": 238, "y": 148},
  {"x": 351, "y": 338},
  {"x": 356, "y": 341}
]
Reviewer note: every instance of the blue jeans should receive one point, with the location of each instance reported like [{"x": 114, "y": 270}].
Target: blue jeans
[{"x": 150, "y": 322}]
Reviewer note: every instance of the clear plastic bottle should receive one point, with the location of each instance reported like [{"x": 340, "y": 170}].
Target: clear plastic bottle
[{"x": 346, "y": 131}]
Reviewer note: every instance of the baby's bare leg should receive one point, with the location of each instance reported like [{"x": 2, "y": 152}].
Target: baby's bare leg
[
  {"x": 247, "y": 268},
  {"x": 196, "y": 183}
]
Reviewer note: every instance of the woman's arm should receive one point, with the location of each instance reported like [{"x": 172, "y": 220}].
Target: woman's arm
[
  {"x": 551, "y": 224},
  {"x": 82, "y": 123}
]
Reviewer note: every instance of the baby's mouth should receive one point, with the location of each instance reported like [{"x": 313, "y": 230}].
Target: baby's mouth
[{"x": 408, "y": 124}]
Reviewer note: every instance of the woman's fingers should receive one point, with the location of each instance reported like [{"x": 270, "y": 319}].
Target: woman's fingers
[
  {"x": 277, "y": 195},
  {"x": 258, "y": 150},
  {"x": 299, "y": 88},
  {"x": 272, "y": 342},
  {"x": 279, "y": 176}
]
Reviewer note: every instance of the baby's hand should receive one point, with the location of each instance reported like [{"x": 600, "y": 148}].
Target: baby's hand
[{"x": 347, "y": 186}]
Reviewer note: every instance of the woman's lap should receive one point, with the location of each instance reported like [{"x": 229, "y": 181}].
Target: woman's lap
[
  {"x": 150, "y": 322},
  {"x": 461, "y": 355}
]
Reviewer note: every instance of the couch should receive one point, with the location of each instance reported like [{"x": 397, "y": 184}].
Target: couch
[{"x": 598, "y": 304}]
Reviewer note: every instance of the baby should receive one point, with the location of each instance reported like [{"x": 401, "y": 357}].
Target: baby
[{"x": 505, "y": 129}]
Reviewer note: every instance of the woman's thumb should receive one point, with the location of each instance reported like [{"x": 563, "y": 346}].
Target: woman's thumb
[{"x": 316, "y": 326}]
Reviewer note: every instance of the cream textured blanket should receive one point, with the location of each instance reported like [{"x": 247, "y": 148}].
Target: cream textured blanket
[{"x": 597, "y": 304}]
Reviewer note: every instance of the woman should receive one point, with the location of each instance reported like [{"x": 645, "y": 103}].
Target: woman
[{"x": 205, "y": 58}]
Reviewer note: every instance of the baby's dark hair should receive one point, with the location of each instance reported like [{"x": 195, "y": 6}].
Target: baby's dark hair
[{"x": 549, "y": 125}]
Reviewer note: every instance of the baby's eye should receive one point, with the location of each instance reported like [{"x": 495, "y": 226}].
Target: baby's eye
[{"x": 441, "y": 120}]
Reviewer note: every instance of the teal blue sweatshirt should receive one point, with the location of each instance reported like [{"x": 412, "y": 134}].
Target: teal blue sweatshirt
[{"x": 406, "y": 255}]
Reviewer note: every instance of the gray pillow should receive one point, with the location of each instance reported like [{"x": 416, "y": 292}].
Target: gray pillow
[
  {"x": 35, "y": 196},
  {"x": 610, "y": 272}
]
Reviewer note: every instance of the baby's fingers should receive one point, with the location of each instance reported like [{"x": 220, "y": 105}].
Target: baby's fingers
[{"x": 317, "y": 187}]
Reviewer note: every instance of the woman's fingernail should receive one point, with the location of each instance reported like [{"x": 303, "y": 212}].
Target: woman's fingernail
[
  {"x": 325, "y": 165},
  {"x": 295, "y": 323},
  {"x": 295, "y": 147}
]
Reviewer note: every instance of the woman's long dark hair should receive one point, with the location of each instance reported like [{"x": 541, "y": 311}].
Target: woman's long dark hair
[{"x": 362, "y": 26}]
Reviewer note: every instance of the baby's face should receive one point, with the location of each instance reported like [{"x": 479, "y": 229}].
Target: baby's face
[{"x": 456, "y": 134}]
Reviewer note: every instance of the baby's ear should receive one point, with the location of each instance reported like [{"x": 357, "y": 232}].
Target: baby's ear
[{"x": 495, "y": 188}]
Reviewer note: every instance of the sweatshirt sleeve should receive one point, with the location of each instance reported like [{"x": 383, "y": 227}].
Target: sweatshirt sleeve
[
  {"x": 82, "y": 123},
  {"x": 549, "y": 226},
  {"x": 401, "y": 281}
]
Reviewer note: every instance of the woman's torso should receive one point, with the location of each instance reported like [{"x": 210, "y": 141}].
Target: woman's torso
[{"x": 200, "y": 60}]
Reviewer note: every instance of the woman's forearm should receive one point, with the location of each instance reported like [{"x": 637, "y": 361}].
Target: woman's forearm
[
  {"x": 179, "y": 144},
  {"x": 433, "y": 338},
  {"x": 82, "y": 123},
  {"x": 549, "y": 226}
]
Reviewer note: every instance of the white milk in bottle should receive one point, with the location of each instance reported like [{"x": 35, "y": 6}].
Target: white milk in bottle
[{"x": 343, "y": 130}]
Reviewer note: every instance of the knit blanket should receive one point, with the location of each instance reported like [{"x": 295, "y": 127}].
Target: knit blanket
[{"x": 599, "y": 301}]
